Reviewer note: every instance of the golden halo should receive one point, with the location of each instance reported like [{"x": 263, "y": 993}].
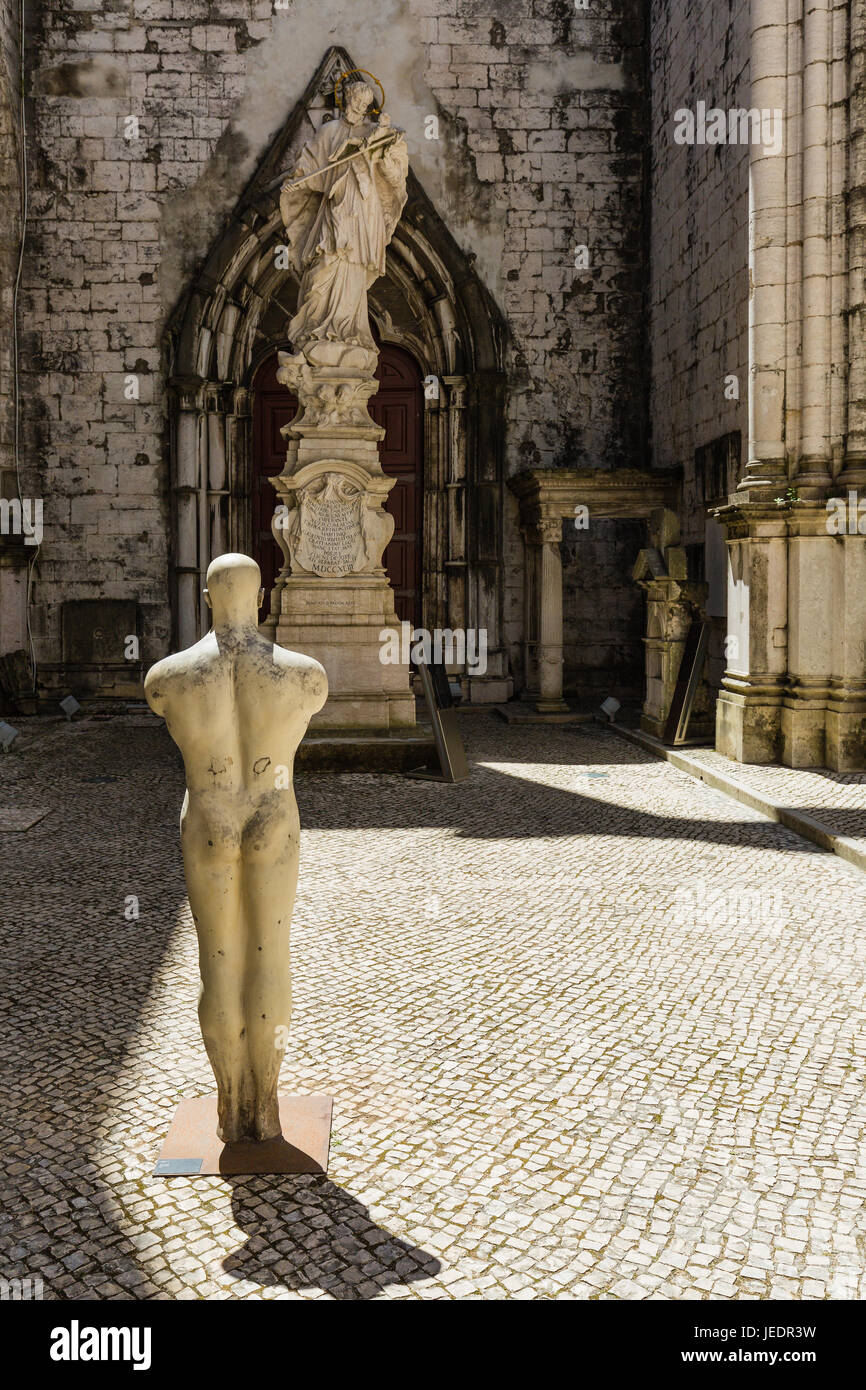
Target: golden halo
[{"x": 351, "y": 73}]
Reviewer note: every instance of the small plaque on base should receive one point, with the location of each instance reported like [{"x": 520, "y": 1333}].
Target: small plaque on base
[{"x": 193, "y": 1146}]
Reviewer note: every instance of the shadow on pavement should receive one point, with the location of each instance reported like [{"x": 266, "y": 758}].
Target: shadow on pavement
[{"x": 309, "y": 1233}]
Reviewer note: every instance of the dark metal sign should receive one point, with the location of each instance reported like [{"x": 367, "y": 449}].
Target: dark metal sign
[
  {"x": 443, "y": 717},
  {"x": 688, "y": 679}
]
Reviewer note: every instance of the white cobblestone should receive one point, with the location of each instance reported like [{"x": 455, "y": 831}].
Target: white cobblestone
[{"x": 548, "y": 1081}]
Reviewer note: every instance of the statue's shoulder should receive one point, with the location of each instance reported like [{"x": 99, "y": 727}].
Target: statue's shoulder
[
  {"x": 294, "y": 662},
  {"x": 303, "y": 672},
  {"x": 165, "y": 678},
  {"x": 329, "y": 134}
]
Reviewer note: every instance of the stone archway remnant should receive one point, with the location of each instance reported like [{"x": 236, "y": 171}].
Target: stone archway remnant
[{"x": 548, "y": 497}]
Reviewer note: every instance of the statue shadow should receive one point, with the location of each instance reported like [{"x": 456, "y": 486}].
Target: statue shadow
[{"x": 306, "y": 1232}]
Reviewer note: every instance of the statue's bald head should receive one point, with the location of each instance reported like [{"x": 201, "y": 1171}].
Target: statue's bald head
[{"x": 234, "y": 590}]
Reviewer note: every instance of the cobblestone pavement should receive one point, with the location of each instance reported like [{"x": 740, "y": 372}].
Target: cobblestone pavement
[{"x": 592, "y": 1030}]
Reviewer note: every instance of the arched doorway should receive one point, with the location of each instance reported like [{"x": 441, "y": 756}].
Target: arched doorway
[
  {"x": 398, "y": 407},
  {"x": 430, "y": 307}
]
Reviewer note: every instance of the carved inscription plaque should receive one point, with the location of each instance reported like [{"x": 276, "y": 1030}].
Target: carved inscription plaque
[
  {"x": 331, "y": 534},
  {"x": 331, "y": 540}
]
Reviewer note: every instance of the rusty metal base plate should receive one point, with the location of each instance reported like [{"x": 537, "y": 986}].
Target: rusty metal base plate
[{"x": 192, "y": 1145}]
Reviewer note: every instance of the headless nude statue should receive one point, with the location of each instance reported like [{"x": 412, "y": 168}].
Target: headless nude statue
[{"x": 237, "y": 707}]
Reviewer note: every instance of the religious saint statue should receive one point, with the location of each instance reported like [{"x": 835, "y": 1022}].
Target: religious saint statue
[
  {"x": 340, "y": 209},
  {"x": 237, "y": 706}
]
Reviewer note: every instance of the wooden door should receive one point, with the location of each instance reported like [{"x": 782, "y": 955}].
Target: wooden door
[
  {"x": 399, "y": 406},
  {"x": 274, "y": 407}
]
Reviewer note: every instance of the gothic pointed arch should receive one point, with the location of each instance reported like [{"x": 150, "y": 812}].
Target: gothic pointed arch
[{"x": 431, "y": 301}]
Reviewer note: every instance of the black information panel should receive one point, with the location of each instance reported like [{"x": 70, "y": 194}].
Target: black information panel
[
  {"x": 443, "y": 717},
  {"x": 690, "y": 672}
]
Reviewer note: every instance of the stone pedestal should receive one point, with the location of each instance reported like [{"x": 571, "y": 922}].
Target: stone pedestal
[
  {"x": 338, "y": 621},
  {"x": 845, "y": 730},
  {"x": 332, "y": 599},
  {"x": 795, "y": 686},
  {"x": 810, "y": 635},
  {"x": 749, "y": 707}
]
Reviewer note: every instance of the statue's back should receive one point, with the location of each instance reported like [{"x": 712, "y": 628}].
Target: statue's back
[{"x": 237, "y": 711}]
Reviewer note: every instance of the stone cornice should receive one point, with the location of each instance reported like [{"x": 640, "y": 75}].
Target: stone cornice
[{"x": 616, "y": 492}]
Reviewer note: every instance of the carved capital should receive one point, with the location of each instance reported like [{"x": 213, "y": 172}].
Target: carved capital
[
  {"x": 457, "y": 390},
  {"x": 549, "y": 530}
]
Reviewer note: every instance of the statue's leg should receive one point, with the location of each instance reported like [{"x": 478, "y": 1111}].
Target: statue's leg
[
  {"x": 213, "y": 883},
  {"x": 270, "y": 878}
]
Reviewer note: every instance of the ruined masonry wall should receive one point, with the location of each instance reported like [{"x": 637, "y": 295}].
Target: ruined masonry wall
[
  {"x": 549, "y": 103},
  {"x": 10, "y": 222}
]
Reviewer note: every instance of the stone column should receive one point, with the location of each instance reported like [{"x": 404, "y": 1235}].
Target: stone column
[
  {"x": 187, "y": 488},
  {"x": 531, "y": 580},
  {"x": 813, "y": 465},
  {"x": 748, "y": 711},
  {"x": 238, "y": 450},
  {"x": 854, "y": 474},
  {"x": 217, "y": 471},
  {"x": 766, "y": 464},
  {"x": 456, "y": 502},
  {"x": 550, "y": 699},
  {"x": 839, "y": 194}
]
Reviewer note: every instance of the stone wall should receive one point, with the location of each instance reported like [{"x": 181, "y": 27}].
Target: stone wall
[
  {"x": 10, "y": 194},
  {"x": 539, "y": 152},
  {"x": 14, "y": 556},
  {"x": 698, "y": 248},
  {"x": 596, "y": 577}
]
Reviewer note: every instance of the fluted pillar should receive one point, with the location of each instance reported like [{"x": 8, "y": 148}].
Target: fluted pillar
[
  {"x": 854, "y": 473},
  {"x": 813, "y": 464},
  {"x": 217, "y": 472},
  {"x": 455, "y": 487},
  {"x": 187, "y": 493},
  {"x": 768, "y": 197}
]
